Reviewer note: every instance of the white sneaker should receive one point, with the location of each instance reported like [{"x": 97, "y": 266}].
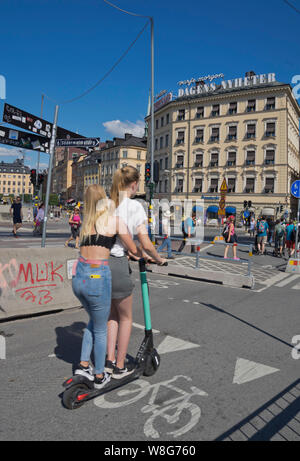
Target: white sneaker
[
  {"x": 101, "y": 382},
  {"x": 87, "y": 372}
]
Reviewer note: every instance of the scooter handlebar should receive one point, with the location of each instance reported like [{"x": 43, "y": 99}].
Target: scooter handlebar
[{"x": 142, "y": 264}]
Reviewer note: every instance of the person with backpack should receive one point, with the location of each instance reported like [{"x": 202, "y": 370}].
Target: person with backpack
[
  {"x": 262, "y": 233},
  {"x": 188, "y": 230},
  {"x": 279, "y": 232},
  {"x": 290, "y": 235},
  {"x": 230, "y": 237}
]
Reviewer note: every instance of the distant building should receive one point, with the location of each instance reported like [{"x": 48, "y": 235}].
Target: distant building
[{"x": 15, "y": 178}]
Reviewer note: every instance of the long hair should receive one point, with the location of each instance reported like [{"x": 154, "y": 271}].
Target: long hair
[
  {"x": 121, "y": 180},
  {"x": 96, "y": 210}
]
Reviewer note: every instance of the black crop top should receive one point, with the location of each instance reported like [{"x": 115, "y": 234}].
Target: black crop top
[{"x": 99, "y": 240}]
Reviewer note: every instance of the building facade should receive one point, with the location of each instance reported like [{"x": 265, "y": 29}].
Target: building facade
[
  {"x": 62, "y": 180},
  {"x": 15, "y": 178},
  {"x": 245, "y": 130}
]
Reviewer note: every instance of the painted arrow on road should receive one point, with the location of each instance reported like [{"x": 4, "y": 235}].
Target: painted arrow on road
[{"x": 246, "y": 371}]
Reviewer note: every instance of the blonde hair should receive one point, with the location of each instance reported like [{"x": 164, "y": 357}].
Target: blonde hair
[
  {"x": 121, "y": 180},
  {"x": 96, "y": 211}
]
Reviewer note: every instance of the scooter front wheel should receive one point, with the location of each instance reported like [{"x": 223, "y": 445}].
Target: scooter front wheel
[{"x": 70, "y": 396}]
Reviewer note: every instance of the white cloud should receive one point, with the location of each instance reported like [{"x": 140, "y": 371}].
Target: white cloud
[
  {"x": 7, "y": 152},
  {"x": 118, "y": 128}
]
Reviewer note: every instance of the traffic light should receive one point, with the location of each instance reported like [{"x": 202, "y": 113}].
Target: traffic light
[
  {"x": 156, "y": 172},
  {"x": 33, "y": 177},
  {"x": 40, "y": 179},
  {"x": 147, "y": 173},
  {"x": 249, "y": 204},
  {"x": 245, "y": 203},
  {"x": 281, "y": 208}
]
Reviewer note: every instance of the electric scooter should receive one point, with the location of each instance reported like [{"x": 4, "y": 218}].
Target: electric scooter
[{"x": 79, "y": 389}]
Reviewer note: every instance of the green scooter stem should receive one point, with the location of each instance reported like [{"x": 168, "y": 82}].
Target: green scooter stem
[{"x": 145, "y": 295}]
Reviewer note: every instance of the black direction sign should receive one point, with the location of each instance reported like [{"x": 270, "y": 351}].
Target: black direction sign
[
  {"x": 16, "y": 138},
  {"x": 22, "y": 119},
  {"x": 82, "y": 142}
]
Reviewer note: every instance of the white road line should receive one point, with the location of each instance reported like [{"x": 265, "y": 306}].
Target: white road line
[
  {"x": 288, "y": 280},
  {"x": 296, "y": 287}
]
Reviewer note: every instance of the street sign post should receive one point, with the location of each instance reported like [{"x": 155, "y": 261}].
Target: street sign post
[
  {"x": 16, "y": 138},
  {"x": 222, "y": 203},
  {"x": 295, "y": 191},
  {"x": 80, "y": 142}
]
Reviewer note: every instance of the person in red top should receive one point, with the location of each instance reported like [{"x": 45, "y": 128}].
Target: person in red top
[
  {"x": 75, "y": 223},
  {"x": 230, "y": 237}
]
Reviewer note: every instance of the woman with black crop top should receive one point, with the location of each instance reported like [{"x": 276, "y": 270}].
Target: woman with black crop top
[{"x": 91, "y": 281}]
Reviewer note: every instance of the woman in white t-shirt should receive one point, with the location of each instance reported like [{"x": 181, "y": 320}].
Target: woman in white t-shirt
[{"x": 125, "y": 185}]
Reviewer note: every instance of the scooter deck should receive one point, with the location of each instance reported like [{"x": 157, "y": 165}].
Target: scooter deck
[{"x": 91, "y": 392}]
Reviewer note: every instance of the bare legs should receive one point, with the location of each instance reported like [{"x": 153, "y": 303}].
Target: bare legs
[{"x": 119, "y": 329}]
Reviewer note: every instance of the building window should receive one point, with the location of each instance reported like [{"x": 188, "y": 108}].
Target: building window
[
  {"x": 161, "y": 142},
  {"x": 180, "y": 137},
  {"x": 270, "y": 186},
  {"x": 270, "y": 129},
  {"x": 156, "y": 144},
  {"x": 159, "y": 186},
  {"x": 181, "y": 114},
  {"x": 179, "y": 187},
  {"x": 251, "y": 107},
  {"x": 214, "y": 159},
  {"x": 215, "y": 110},
  {"x": 213, "y": 185},
  {"x": 270, "y": 105},
  {"x": 138, "y": 156},
  {"x": 125, "y": 153},
  {"x": 270, "y": 157},
  {"x": 156, "y": 124},
  {"x": 167, "y": 118},
  {"x": 250, "y": 184},
  {"x": 180, "y": 160},
  {"x": 231, "y": 185},
  {"x": 166, "y": 185},
  {"x": 199, "y": 135},
  {"x": 232, "y": 133},
  {"x": 199, "y": 160},
  {"x": 162, "y": 121},
  {"x": 232, "y": 108},
  {"x": 215, "y": 135},
  {"x": 161, "y": 164},
  {"x": 167, "y": 140},
  {"x": 231, "y": 159},
  {"x": 250, "y": 157},
  {"x": 200, "y": 112},
  {"x": 198, "y": 185},
  {"x": 251, "y": 131}
]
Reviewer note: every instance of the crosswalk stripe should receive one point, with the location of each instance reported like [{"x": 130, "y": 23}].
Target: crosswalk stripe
[
  {"x": 287, "y": 280},
  {"x": 296, "y": 287}
]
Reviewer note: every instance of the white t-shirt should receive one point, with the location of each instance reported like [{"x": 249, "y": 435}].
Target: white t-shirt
[{"x": 133, "y": 215}]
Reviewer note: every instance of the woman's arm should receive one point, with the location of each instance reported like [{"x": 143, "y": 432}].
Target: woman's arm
[{"x": 147, "y": 245}]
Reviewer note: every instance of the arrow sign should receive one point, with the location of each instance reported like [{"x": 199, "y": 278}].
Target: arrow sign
[
  {"x": 27, "y": 121},
  {"x": 295, "y": 189},
  {"x": 80, "y": 142}
]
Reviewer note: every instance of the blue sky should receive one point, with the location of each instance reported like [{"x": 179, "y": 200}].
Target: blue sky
[{"x": 63, "y": 47}]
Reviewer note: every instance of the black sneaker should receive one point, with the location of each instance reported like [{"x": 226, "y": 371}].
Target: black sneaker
[
  {"x": 85, "y": 371},
  {"x": 109, "y": 366},
  {"x": 101, "y": 382},
  {"x": 120, "y": 373}
]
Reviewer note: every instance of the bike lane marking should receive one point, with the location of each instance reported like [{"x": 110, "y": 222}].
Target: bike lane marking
[{"x": 246, "y": 371}]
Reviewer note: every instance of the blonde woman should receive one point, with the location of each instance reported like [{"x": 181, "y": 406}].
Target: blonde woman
[
  {"x": 91, "y": 281},
  {"x": 125, "y": 185}
]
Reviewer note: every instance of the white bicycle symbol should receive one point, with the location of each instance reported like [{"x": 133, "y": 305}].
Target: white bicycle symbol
[{"x": 170, "y": 410}]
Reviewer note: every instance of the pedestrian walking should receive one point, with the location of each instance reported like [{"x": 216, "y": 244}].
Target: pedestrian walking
[
  {"x": 262, "y": 232},
  {"x": 75, "y": 223},
  {"x": 39, "y": 219},
  {"x": 17, "y": 215},
  {"x": 166, "y": 229},
  {"x": 271, "y": 225},
  {"x": 290, "y": 236},
  {"x": 188, "y": 231},
  {"x": 252, "y": 227},
  {"x": 92, "y": 281},
  {"x": 230, "y": 236},
  {"x": 279, "y": 232},
  {"x": 124, "y": 187}
]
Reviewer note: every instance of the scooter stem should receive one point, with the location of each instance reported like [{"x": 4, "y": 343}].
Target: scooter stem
[{"x": 145, "y": 294}]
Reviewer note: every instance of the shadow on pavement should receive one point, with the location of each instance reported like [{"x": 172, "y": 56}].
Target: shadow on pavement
[{"x": 278, "y": 418}]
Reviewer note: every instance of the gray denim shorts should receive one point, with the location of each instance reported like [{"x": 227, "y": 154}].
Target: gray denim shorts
[{"x": 122, "y": 284}]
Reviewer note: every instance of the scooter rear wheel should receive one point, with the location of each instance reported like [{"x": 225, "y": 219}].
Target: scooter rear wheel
[{"x": 70, "y": 395}]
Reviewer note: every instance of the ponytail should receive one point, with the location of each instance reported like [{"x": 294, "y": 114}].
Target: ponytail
[{"x": 121, "y": 180}]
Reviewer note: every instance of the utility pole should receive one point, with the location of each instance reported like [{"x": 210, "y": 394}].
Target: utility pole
[
  {"x": 52, "y": 150},
  {"x": 39, "y": 153},
  {"x": 151, "y": 185}
]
